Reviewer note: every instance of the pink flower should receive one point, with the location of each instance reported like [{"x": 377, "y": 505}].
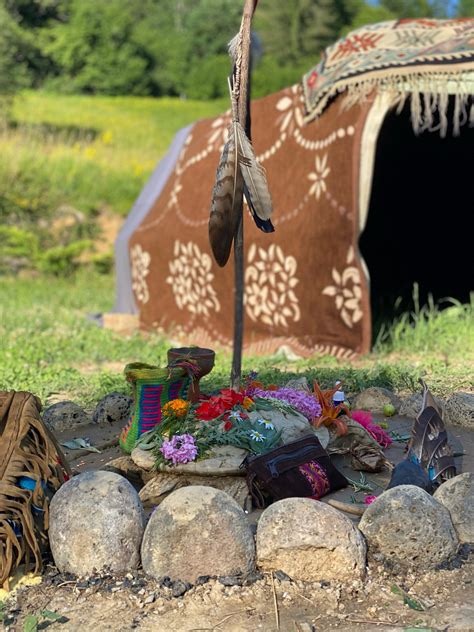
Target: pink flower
[
  {"x": 364, "y": 418},
  {"x": 368, "y": 500},
  {"x": 180, "y": 449}
]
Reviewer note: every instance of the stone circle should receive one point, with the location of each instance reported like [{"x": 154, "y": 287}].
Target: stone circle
[
  {"x": 198, "y": 531},
  {"x": 374, "y": 399},
  {"x": 113, "y": 408},
  {"x": 309, "y": 541},
  {"x": 64, "y": 416},
  {"x": 408, "y": 527},
  {"x": 460, "y": 409},
  {"x": 457, "y": 495},
  {"x": 96, "y": 522}
]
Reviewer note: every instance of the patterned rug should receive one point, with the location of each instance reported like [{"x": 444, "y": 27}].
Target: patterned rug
[{"x": 433, "y": 58}]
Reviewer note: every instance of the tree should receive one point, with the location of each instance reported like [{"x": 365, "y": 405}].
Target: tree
[
  {"x": 96, "y": 50},
  {"x": 301, "y": 28},
  {"x": 13, "y": 73},
  {"x": 416, "y": 8},
  {"x": 465, "y": 9}
]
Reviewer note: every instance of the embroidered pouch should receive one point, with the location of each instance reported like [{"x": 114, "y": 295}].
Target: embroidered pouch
[{"x": 298, "y": 469}]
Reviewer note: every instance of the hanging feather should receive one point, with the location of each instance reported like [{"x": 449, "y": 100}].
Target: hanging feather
[
  {"x": 264, "y": 225},
  {"x": 254, "y": 175},
  {"x": 226, "y": 202}
]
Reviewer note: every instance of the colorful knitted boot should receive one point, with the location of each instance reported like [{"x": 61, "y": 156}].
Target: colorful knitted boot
[{"x": 153, "y": 388}]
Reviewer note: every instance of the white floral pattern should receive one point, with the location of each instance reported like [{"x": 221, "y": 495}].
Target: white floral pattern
[
  {"x": 290, "y": 106},
  {"x": 140, "y": 264},
  {"x": 219, "y": 131},
  {"x": 270, "y": 280},
  {"x": 347, "y": 291},
  {"x": 319, "y": 176},
  {"x": 191, "y": 279}
]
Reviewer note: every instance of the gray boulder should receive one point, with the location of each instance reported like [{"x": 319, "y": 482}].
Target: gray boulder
[
  {"x": 113, "y": 408},
  {"x": 411, "y": 405},
  {"x": 457, "y": 495},
  {"x": 64, "y": 416},
  {"x": 374, "y": 399},
  {"x": 198, "y": 531},
  {"x": 292, "y": 426},
  {"x": 460, "y": 409},
  {"x": 96, "y": 521},
  {"x": 410, "y": 528},
  {"x": 309, "y": 541}
]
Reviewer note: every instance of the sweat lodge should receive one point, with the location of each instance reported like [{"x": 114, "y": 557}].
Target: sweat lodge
[{"x": 369, "y": 162}]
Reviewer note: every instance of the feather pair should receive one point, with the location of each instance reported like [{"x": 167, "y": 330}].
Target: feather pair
[{"x": 239, "y": 173}]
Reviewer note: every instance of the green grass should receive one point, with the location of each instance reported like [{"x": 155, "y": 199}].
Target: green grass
[
  {"x": 51, "y": 349},
  {"x": 89, "y": 152}
]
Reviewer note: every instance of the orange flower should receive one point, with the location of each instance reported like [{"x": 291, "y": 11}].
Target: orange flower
[
  {"x": 247, "y": 403},
  {"x": 330, "y": 413},
  {"x": 177, "y": 407}
]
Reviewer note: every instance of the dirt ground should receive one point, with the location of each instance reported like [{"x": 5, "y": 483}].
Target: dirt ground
[{"x": 438, "y": 600}]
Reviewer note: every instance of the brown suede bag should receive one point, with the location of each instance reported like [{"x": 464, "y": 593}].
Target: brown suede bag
[{"x": 32, "y": 468}]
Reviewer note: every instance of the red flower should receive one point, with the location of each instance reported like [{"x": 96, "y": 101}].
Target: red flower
[
  {"x": 231, "y": 398},
  {"x": 211, "y": 409},
  {"x": 228, "y": 426}
]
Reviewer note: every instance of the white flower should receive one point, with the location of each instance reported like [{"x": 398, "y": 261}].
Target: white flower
[
  {"x": 234, "y": 414},
  {"x": 347, "y": 291},
  {"x": 270, "y": 280},
  {"x": 319, "y": 176},
  {"x": 190, "y": 278},
  {"x": 140, "y": 263},
  {"x": 267, "y": 424},
  {"x": 256, "y": 436}
]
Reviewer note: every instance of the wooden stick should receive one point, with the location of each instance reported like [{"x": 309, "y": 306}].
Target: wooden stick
[
  {"x": 347, "y": 507},
  {"x": 275, "y": 603},
  {"x": 244, "y": 119}
]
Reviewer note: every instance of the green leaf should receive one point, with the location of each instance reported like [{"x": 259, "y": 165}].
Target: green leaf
[
  {"x": 414, "y": 604},
  {"x": 31, "y": 623},
  {"x": 80, "y": 444},
  {"x": 49, "y": 614}
]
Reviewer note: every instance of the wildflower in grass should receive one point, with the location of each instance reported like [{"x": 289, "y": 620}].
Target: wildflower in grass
[
  {"x": 266, "y": 424},
  {"x": 256, "y": 436},
  {"x": 234, "y": 414}
]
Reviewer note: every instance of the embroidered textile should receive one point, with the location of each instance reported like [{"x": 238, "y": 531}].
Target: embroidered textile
[
  {"x": 424, "y": 56},
  {"x": 317, "y": 478}
]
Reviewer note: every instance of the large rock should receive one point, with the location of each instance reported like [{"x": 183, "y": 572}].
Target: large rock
[
  {"x": 113, "y": 408},
  {"x": 410, "y": 528},
  {"x": 460, "y": 409},
  {"x": 309, "y": 541},
  {"x": 411, "y": 405},
  {"x": 124, "y": 466},
  {"x": 457, "y": 495},
  {"x": 198, "y": 531},
  {"x": 96, "y": 521},
  {"x": 292, "y": 426},
  {"x": 64, "y": 416},
  {"x": 224, "y": 460},
  {"x": 374, "y": 399}
]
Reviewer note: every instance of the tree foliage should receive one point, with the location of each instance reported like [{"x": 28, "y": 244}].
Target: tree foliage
[{"x": 175, "y": 47}]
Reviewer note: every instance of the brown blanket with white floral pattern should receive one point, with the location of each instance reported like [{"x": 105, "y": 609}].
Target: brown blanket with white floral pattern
[{"x": 305, "y": 286}]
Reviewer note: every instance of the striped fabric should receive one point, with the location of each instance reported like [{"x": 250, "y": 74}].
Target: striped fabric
[{"x": 153, "y": 388}]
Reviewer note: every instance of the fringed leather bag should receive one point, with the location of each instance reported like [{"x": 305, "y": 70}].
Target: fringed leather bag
[{"x": 32, "y": 468}]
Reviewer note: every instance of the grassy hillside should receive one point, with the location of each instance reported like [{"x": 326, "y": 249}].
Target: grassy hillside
[{"x": 88, "y": 152}]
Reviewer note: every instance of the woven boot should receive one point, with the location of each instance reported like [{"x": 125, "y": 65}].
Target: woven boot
[{"x": 153, "y": 387}]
